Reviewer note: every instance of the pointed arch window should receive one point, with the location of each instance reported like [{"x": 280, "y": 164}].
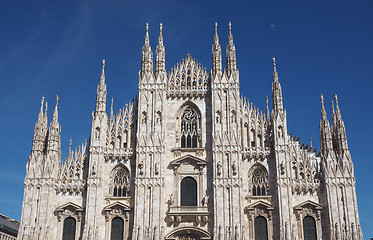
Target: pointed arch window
[
  {"x": 188, "y": 196},
  {"x": 117, "y": 229},
  {"x": 69, "y": 228},
  {"x": 259, "y": 181},
  {"x": 260, "y": 225},
  {"x": 309, "y": 228},
  {"x": 121, "y": 182},
  {"x": 189, "y": 128}
]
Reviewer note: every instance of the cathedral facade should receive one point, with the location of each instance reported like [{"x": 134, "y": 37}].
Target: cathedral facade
[{"x": 190, "y": 159}]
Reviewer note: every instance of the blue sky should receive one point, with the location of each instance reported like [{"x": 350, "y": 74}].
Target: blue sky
[{"x": 51, "y": 47}]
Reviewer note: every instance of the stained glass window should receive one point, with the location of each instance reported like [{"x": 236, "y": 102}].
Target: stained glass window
[
  {"x": 121, "y": 182},
  {"x": 259, "y": 181},
  {"x": 189, "y": 128}
]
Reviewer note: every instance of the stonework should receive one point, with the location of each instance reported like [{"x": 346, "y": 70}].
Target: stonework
[{"x": 190, "y": 159}]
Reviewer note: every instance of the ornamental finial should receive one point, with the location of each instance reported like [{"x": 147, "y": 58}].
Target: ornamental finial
[{"x": 57, "y": 98}]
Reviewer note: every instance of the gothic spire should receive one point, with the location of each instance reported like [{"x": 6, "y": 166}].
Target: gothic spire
[
  {"x": 102, "y": 78},
  {"x": 41, "y": 115},
  {"x": 147, "y": 55},
  {"x": 326, "y": 143},
  {"x": 216, "y": 54},
  {"x": 160, "y": 53},
  {"x": 231, "y": 52},
  {"x": 267, "y": 108},
  {"x": 111, "y": 109},
  {"x": 339, "y": 133},
  {"x": 101, "y": 91},
  {"x": 323, "y": 112},
  {"x": 276, "y": 90},
  {"x": 41, "y": 129},
  {"x": 55, "y": 113},
  {"x": 54, "y": 131}
]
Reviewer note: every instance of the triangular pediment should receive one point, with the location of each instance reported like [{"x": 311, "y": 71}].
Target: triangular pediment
[
  {"x": 69, "y": 205},
  {"x": 260, "y": 204},
  {"x": 190, "y": 159},
  {"x": 117, "y": 204},
  {"x": 308, "y": 204}
]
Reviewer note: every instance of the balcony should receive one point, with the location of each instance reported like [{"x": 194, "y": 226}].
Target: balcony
[{"x": 198, "y": 214}]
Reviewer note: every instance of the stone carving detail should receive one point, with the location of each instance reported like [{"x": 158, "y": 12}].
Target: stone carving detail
[{"x": 188, "y": 78}]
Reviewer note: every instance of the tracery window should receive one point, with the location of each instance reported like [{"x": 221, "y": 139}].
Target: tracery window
[
  {"x": 121, "y": 183},
  {"x": 309, "y": 228},
  {"x": 259, "y": 181},
  {"x": 189, "y": 128},
  {"x": 69, "y": 228},
  {"x": 260, "y": 225},
  {"x": 188, "y": 196},
  {"x": 117, "y": 227}
]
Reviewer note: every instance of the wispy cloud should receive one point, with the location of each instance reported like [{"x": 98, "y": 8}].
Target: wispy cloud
[
  {"x": 272, "y": 25},
  {"x": 9, "y": 177}
]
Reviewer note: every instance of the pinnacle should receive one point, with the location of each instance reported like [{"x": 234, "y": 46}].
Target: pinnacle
[{"x": 323, "y": 112}]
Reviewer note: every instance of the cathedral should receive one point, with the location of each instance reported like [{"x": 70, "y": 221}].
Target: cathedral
[{"x": 190, "y": 159}]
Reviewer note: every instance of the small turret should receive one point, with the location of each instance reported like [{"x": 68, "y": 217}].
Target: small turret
[
  {"x": 216, "y": 54},
  {"x": 160, "y": 62},
  {"x": 276, "y": 90},
  {"x": 231, "y": 53},
  {"x": 147, "y": 55}
]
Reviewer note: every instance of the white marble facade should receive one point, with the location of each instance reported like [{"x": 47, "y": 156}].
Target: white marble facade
[{"x": 189, "y": 158}]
